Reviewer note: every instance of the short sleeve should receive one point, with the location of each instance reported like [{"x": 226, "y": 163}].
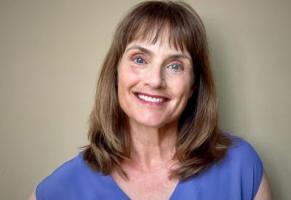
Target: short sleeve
[
  {"x": 38, "y": 192},
  {"x": 62, "y": 183},
  {"x": 250, "y": 167},
  {"x": 41, "y": 190}
]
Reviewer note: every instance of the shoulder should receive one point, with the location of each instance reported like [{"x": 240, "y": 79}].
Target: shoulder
[
  {"x": 67, "y": 170},
  {"x": 65, "y": 179},
  {"x": 237, "y": 176},
  {"x": 244, "y": 165},
  {"x": 242, "y": 153}
]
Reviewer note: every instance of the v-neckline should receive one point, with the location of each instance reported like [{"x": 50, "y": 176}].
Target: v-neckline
[{"x": 123, "y": 193}]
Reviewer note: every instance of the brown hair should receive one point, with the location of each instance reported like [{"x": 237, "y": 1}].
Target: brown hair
[{"x": 199, "y": 141}]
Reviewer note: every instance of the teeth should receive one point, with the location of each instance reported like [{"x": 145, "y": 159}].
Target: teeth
[{"x": 150, "y": 99}]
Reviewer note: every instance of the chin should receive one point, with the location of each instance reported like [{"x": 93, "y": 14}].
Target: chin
[{"x": 152, "y": 122}]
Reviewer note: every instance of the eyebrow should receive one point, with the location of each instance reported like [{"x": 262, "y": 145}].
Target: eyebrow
[
  {"x": 142, "y": 49},
  {"x": 147, "y": 51}
]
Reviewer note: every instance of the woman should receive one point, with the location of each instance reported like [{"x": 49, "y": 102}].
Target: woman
[{"x": 153, "y": 130}]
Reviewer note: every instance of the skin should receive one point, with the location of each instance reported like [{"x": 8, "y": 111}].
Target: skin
[
  {"x": 155, "y": 70},
  {"x": 152, "y": 70},
  {"x": 264, "y": 192},
  {"x": 143, "y": 68}
]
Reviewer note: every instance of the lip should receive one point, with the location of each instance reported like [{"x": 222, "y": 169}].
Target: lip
[
  {"x": 151, "y": 95},
  {"x": 165, "y": 99}
]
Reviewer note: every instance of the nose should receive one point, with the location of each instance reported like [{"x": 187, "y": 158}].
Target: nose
[{"x": 155, "y": 78}]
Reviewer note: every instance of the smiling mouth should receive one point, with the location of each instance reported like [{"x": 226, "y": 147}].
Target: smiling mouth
[{"x": 151, "y": 98}]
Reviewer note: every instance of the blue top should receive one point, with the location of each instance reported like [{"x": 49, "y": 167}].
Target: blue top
[{"x": 236, "y": 177}]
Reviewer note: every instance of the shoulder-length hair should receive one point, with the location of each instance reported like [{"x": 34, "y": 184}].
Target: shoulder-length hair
[{"x": 199, "y": 141}]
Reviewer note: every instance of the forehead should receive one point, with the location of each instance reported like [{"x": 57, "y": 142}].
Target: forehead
[
  {"x": 157, "y": 38},
  {"x": 162, "y": 35},
  {"x": 161, "y": 46}
]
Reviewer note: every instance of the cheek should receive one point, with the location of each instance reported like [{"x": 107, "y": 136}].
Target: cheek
[
  {"x": 127, "y": 78},
  {"x": 182, "y": 87}
]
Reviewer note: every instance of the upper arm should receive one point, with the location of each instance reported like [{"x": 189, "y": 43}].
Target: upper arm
[
  {"x": 32, "y": 196},
  {"x": 264, "y": 192}
]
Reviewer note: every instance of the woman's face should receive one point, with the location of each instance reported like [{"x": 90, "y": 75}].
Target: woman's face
[{"x": 154, "y": 83}]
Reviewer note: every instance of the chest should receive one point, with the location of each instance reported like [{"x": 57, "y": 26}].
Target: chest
[{"x": 145, "y": 186}]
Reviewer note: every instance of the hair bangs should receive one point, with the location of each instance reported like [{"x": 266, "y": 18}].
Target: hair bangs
[
  {"x": 153, "y": 24},
  {"x": 153, "y": 31}
]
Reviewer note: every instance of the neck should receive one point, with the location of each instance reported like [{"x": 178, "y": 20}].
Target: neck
[{"x": 152, "y": 148}]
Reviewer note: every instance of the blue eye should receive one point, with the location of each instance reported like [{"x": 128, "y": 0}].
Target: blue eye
[
  {"x": 175, "y": 67},
  {"x": 139, "y": 60}
]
